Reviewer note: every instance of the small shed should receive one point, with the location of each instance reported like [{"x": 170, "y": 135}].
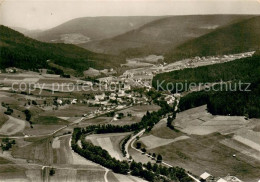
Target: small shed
[
  {"x": 221, "y": 180},
  {"x": 204, "y": 176}
]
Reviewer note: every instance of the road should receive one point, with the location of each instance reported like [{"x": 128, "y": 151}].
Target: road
[
  {"x": 130, "y": 142},
  {"x": 71, "y": 124},
  {"x": 133, "y": 139}
]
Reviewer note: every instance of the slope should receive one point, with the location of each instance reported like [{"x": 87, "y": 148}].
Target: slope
[
  {"x": 239, "y": 37},
  {"x": 92, "y": 28},
  {"x": 26, "y": 53},
  {"x": 240, "y": 97},
  {"x": 158, "y": 36}
]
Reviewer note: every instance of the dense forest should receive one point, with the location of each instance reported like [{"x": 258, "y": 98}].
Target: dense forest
[
  {"x": 226, "y": 101},
  {"x": 26, "y": 53},
  {"x": 234, "y": 103},
  {"x": 245, "y": 69},
  {"x": 239, "y": 37}
]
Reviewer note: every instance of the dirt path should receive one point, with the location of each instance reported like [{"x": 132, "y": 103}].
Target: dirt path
[{"x": 105, "y": 176}]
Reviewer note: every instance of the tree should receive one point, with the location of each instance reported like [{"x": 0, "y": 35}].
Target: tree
[
  {"x": 27, "y": 114},
  {"x": 155, "y": 167},
  {"x": 143, "y": 150},
  {"x": 154, "y": 155},
  {"x": 52, "y": 172},
  {"x": 149, "y": 166},
  {"x": 34, "y": 102},
  {"x": 159, "y": 158},
  {"x": 138, "y": 145}
]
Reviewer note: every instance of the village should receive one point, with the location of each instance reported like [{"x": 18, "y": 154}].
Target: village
[{"x": 117, "y": 100}]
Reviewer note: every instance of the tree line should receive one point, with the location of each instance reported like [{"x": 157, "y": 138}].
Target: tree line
[
  {"x": 225, "y": 99},
  {"x": 102, "y": 157}
]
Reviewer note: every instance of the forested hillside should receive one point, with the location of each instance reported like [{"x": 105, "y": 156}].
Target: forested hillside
[
  {"x": 239, "y": 37},
  {"x": 159, "y": 36},
  {"x": 94, "y": 28},
  {"x": 242, "y": 69},
  {"x": 229, "y": 100},
  {"x": 26, "y": 53}
]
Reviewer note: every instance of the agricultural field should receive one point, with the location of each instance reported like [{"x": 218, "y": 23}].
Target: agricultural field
[
  {"x": 98, "y": 120},
  {"x": 220, "y": 145},
  {"x": 110, "y": 142},
  {"x": 130, "y": 115},
  {"x": 20, "y": 172},
  {"x": 198, "y": 121},
  {"x": 136, "y": 114},
  {"x": 12, "y": 126},
  {"x": 151, "y": 141},
  {"x": 73, "y": 110},
  {"x": 114, "y": 177},
  {"x": 3, "y": 117}
]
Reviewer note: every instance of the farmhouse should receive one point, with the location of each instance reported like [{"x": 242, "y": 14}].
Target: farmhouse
[
  {"x": 170, "y": 99},
  {"x": 232, "y": 179},
  {"x": 121, "y": 93},
  {"x": 59, "y": 101},
  {"x": 221, "y": 180},
  {"x": 100, "y": 97},
  {"x": 74, "y": 101},
  {"x": 127, "y": 87},
  {"x": 205, "y": 176}
]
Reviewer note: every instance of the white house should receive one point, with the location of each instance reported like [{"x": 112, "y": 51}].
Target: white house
[
  {"x": 100, "y": 97},
  {"x": 74, "y": 101},
  {"x": 205, "y": 175},
  {"x": 59, "y": 101},
  {"x": 221, "y": 180},
  {"x": 121, "y": 93}
]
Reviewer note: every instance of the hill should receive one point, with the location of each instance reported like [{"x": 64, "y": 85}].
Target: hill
[
  {"x": 20, "y": 51},
  {"x": 26, "y": 32},
  {"x": 238, "y": 37},
  {"x": 159, "y": 35},
  {"x": 92, "y": 28},
  {"x": 245, "y": 69},
  {"x": 223, "y": 99}
]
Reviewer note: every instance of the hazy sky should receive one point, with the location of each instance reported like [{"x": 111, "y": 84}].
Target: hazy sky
[{"x": 43, "y": 14}]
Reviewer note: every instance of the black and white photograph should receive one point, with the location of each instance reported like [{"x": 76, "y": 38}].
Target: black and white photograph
[{"x": 129, "y": 90}]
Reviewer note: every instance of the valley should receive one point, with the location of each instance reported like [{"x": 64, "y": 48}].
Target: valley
[{"x": 82, "y": 101}]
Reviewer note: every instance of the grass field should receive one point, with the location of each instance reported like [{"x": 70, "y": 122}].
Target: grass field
[
  {"x": 212, "y": 142},
  {"x": 114, "y": 177},
  {"x": 12, "y": 126},
  {"x": 12, "y": 173},
  {"x": 198, "y": 121},
  {"x": 204, "y": 153},
  {"x": 39, "y": 151},
  {"x": 39, "y": 129},
  {"x": 99, "y": 120},
  {"x": 152, "y": 141},
  {"x": 137, "y": 112},
  {"x": 3, "y": 117},
  {"x": 110, "y": 142},
  {"x": 68, "y": 175},
  {"x": 75, "y": 110},
  {"x": 62, "y": 153},
  {"x": 4, "y": 161},
  {"x": 49, "y": 120}
]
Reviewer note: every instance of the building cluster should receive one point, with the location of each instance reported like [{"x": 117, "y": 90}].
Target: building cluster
[
  {"x": 108, "y": 101},
  {"x": 206, "y": 177}
]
